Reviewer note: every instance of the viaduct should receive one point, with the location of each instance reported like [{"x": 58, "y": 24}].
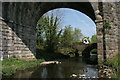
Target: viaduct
[{"x": 18, "y": 22}]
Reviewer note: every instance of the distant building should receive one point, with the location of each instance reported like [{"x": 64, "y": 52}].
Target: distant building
[{"x": 86, "y": 40}]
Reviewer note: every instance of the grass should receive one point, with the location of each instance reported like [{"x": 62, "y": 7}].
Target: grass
[
  {"x": 114, "y": 63},
  {"x": 11, "y": 65}
]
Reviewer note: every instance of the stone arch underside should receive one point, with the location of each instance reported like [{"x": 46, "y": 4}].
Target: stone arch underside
[
  {"x": 20, "y": 18},
  {"x": 86, "y": 51}
]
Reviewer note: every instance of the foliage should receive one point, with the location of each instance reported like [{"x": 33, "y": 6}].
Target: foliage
[
  {"x": 65, "y": 50},
  {"x": 47, "y": 30},
  {"x": 77, "y": 34},
  {"x": 118, "y": 66},
  {"x": 50, "y": 38},
  {"x": 11, "y": 65},
  {"x": 70, "y": 36},
  {"x": 42, "y": 54},
  {"x": 94, "y": 58},
  {"x": 106, "y": 24},
  {"x": 114, "y": 63},
  {"x": 94, "y": 39},
  {"x": 86, "y": 38},
  {"x": 93, "y": 51},
  {"x": 67, "y": 37}
]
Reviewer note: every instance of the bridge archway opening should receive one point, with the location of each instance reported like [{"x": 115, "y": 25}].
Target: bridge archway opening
[
  {"x": 23, "y": 25},
  {"x": 92, "y": 18},
  {"x": 90, "y": 53}
]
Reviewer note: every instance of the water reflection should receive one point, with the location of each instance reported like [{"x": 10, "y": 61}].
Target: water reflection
[{"x": 64, "y": 70}]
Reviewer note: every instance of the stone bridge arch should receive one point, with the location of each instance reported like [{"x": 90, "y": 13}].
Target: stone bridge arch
[
  {"x": 86, "y": 51},
  {"x": 19, "y": 19}
]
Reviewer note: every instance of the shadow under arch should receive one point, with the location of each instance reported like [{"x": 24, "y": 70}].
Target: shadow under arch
[
  {"x": 86, "y": 51},
  {"x": 84, "y": 7},
  {"x": 28, "y": 13},
  {"x": 91, "y": 58}
]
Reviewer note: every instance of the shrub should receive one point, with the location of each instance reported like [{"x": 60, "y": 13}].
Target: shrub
[
  {"x": 11, "y": 65},
  {"x": 93, "y": 51}
]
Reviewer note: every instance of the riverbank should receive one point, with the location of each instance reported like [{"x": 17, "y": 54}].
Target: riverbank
[
  {"x": 50, "y": 56},
  {"x": 109, "y": 68},
  {"x": 11, "y": 65},
  {"x": 59, "y": 69}
]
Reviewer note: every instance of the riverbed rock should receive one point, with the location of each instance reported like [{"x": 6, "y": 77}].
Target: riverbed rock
[
  {"x": 50, "y": 62},
  {"x": 106, "y": 71},
  {"x": 83, "y": 75},
  {"x": 73, "y": 75}
]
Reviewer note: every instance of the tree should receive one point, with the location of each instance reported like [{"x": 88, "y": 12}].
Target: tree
[
  {"x": 71, "y": 36},
  {"x": 67, "y": 37},
  {"x": 94, "y": 39},
  {"x": 77, "y": 34},
  {"x": 40, "y": 31},
  {"x": 47, "y": 26}
]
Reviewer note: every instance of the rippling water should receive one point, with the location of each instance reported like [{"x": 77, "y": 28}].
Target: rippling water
[{"x": 66, "y": 69}]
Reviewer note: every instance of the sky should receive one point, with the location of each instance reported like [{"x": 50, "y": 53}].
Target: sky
[{"x": 76, "y": 19}]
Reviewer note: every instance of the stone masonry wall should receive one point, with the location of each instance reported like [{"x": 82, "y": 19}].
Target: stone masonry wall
[
  {"x": 111, "y": 37},
  {"x": 18, "y": 29},
  {"x": 19, "y": 20},
  {"x": 13, "y": 46},
  {"x": 18, "y": 39},
  {"x": 99, "y": 28},
  {"x": 118, "y": 17}
]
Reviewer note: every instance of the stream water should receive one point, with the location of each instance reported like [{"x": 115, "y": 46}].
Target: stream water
[{"x": 66, "y": 69}]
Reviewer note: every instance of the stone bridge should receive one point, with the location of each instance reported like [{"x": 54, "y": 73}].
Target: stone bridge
[
  {"x": 85, "y": 48},
  {"x": 18, "y": 26}
]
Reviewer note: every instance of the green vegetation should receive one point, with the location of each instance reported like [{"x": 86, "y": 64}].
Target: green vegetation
[
  {"x": 106, "y": 24},
  {"x": 94, "y": 39},
  {"x": 114, "y": 63},
  {"x": 43, "y": 54},
  {"x": 53, "y": 41},
  {"x": 11, "y": 65},
  {"x": 94, "y": 59},
  {"x": 118, "y": 66},
  {"x": 93, "y": 51},
  {"x": 70, "y": 36},
  {"x": 105, "y": 30},
  {"x": 85, "y": 38},
  {"x": 47, "y": 33}
]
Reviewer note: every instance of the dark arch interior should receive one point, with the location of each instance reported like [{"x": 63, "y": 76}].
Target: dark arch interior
[
  {"x": 86, "y": 54},
  {"x": 84, "y": 7},
  {"x": 88, "y": 49},
  {"x": 31, "y": 13}
]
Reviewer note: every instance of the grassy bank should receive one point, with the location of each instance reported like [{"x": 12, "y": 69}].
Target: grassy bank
[
  {"x": 114, "y": 63},
  {"x": 11, "y": 65}
]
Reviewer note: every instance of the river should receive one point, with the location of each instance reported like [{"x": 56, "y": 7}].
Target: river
[{"x": 66, "y": 69}]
